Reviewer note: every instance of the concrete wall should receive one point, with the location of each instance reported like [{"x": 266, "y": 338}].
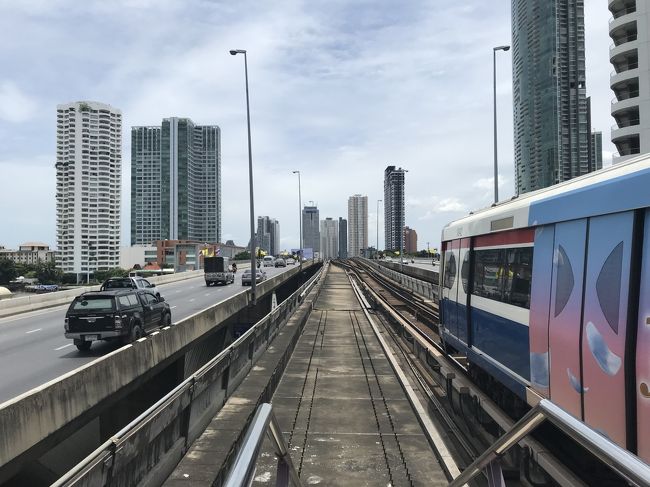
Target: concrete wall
[
  {"x": 417, "y": 272},
  {"x": 30, "y": 418}
]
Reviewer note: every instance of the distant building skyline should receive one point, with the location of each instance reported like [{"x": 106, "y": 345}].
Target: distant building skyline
[
  {"x": 88, "y": 187},
  {"x": 394, "y": 210},
  {"x": 329, "y": 238},
  {"x": 268, "y": 235},
  {"x": 357, "y": 224},
  {"x": 551, "y": 127},
  {"x": 311, "y": 228},
  {"x": 596, "y": 151},
  {"x": 410, "y": 240},
  {"x": 175, "y": 182}
]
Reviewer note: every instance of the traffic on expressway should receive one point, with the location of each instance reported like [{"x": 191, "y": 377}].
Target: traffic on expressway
[{"x": 34, "y": 350}]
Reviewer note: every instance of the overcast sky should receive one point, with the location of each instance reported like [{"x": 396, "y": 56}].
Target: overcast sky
[{"x": 339, "y": 90}]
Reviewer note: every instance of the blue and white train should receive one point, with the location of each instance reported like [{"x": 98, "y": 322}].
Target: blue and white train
[{"x": 549, "y": 295}]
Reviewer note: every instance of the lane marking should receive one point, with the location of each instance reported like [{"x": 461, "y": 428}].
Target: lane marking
[
  {"x": 192, "y": 300},
  {"x": 64, "y": 346},
  {"x": 33, "y": 331},
  {"x": 207, "y": 294},
  {"x": 172, "y": 307}
]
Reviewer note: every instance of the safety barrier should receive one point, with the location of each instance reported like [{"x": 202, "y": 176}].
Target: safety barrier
[
  {"x": 423, "y": 288},
  {"x": 624, "y": 463},
  {"x": 152, "y": 444}
]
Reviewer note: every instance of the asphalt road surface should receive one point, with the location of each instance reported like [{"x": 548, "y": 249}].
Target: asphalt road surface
[{"x": 33, "y": 349}]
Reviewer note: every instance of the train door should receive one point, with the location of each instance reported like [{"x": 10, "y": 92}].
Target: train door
[
  {"x": 604, "y": 325},
  {"x": 450, "y": 286},
  {"x": 565, "y": 315},
  {"x": 462, "y": 306},
  {"x": 642, "y": 382},
  {"x": 540, "y": 293}
]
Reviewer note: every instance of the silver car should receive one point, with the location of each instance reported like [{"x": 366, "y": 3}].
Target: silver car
[{"x": 260, "y": 275}]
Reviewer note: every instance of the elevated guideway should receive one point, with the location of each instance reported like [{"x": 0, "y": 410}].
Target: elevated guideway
[{"x": 342, "y": 404}]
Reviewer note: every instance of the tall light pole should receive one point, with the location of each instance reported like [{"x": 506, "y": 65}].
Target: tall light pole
[
  {"x": 299, "y": 215},
  {"x": 494, "y": 85},
  {"x": 250, "y": 180},
  {"x": 377, "y": 245}
]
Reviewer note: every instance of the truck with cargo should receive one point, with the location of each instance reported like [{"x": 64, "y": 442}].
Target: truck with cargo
[{"x": 217, "y": 270}]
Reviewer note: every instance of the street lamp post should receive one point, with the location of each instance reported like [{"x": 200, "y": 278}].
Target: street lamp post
[
  {"x": 377, "y": 244},
  {"x": 250, "y": 179},
  {"x": 494, "y": 85},
  {"x": 299, "y": 216}
]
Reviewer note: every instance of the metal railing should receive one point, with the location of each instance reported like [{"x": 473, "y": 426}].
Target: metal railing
[
  {"x": 243, "y": 469},
  {"x": 621, "y": 461},
  {"x": 184, "y": 413}
]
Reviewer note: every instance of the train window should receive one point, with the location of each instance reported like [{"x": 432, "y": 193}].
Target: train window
[
  {"x": 464, "y": 271},
  {"x": 565, "y": 280},
  {"x": 489, "y": 268},
  {"x": 450, "y": 269},
  {"x": 608, "y": 286},
  {"x": 517, "y": 278},
  {"x": 504, "y": 275}
]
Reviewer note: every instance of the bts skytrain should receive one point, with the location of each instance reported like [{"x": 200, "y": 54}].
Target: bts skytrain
[{"x": 549, "y": 293}]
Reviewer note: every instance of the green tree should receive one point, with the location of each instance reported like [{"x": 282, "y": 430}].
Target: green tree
[
  {"x": 101, "y": 276},
  {"x": 48, "y": 273},
  {"x": 243, "y": 256},
  {"x": 7, "y": 271}
]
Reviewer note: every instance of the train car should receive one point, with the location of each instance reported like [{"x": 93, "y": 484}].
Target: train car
[{"x": 548, "y": 295}]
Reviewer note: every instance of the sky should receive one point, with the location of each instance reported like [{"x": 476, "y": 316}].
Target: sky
[{"x": 339, "y": 89}]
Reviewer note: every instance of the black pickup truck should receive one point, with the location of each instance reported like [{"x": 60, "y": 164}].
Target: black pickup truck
[{"x": 120, "y": 314}]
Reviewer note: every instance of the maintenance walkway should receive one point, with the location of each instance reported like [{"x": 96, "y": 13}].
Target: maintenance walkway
[{"x": 341, "y": 406}]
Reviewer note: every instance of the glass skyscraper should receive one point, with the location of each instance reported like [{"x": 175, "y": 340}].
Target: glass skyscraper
[
  {"x": 551, "y": 129},
  {"x": 175, "y": 182},
  {"x": 394, "y": 207}
]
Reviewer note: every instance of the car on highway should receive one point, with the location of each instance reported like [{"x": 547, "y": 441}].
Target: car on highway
[
  {"x": 129, "y": 283},
  {"x": 268, "y": 261},
  {"x": 290, "y": 261},
  {"x": 280, "y": 262},
  {"x": 246, "y": 277},
  {"x": 116, "y": 314}
]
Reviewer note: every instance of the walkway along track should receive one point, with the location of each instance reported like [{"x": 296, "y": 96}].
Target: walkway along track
[{"x": 470, "y": 420}]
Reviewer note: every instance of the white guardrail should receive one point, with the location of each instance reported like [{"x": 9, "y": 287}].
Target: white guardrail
[{"x": 176, "y": 420}]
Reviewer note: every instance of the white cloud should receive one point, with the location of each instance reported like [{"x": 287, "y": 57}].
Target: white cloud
[{"x": 15, "y": 106}]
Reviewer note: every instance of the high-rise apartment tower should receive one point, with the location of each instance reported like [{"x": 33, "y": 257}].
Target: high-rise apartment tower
[
  {"x": 343, "y": 238},
  {"x": 630, "y": 81},
  {"x": 393, "y": 207},
  {"x": 268, "y": 235},
  {"x": 551, "y": 129},
  {"x": 329, "y": 238},
  {"x": 88, "y": 187},
  {"x": 357, "y": 224},
  {"x": 310, "y": 228},
  {"x": 175, "y": 182}
]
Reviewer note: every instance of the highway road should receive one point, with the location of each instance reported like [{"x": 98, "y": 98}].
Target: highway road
[{"x": 34, "y": 351}]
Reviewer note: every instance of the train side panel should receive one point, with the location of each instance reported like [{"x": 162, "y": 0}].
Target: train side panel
[{"x": 642, "y": 382}]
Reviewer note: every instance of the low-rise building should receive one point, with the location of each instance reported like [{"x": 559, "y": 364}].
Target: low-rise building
[{"x": 29, "y": 253}]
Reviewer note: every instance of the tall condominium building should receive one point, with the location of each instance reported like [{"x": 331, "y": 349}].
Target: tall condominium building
[
  {"x": 310, "y": 228},
  {"x": 175, "y": 182},
  {"x": 357, "y": 224},
  {"x": 630, "y": 81},
  {"x": 268, "y": 235},
  {"x": 596, "y": 151},
  {"x": 329, "y": 239},
  {"x": 88, "y": 186},
  {"x": 393, "y": 207},
  {"x": 551, "y": 134},
  {"x": 410, "y": 240},
  {"x": 343, "y": 238}
]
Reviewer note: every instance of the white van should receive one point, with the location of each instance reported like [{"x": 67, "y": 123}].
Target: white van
[{"x": 268, "y": 261}]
